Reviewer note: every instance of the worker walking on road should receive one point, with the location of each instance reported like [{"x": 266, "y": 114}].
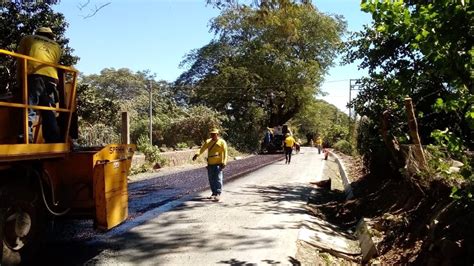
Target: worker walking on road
[
  {"x": 319, "y": 144},
  {"x": 216, "y": 161},
  {"x": 42, "y": 79},
  {"x": 288, "y": 144}
]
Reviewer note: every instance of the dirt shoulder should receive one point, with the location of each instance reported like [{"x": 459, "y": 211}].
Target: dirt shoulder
[{"x": 411, "y": 224}]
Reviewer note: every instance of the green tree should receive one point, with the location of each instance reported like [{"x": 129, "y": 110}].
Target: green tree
[
  {"x": 320, "y": 118},
  {"x": 104, "y": 96},
  {"x": 262, "y": 70},
  {"x": 422, "y": 50},
  {"x": 21, "y": 18}
]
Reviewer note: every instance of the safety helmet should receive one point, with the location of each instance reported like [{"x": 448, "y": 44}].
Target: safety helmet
[
  {"x": 44, "y": 30},
  {"x": 214, "y": 131}
]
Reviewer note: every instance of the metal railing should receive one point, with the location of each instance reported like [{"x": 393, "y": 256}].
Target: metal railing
[{"x": 67, "y": 106}]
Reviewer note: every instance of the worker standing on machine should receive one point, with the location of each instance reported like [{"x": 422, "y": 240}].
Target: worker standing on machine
[{"x": 42, "y": 80}]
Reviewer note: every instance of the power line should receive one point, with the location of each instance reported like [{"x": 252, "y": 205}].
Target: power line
[{"x": 246, "y": 87}]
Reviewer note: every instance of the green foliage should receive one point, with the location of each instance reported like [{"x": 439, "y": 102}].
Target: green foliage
[
  {"x": 423, "y": 51},
  {"x": 343, "y": 146},
  {"x": 93, "y": 108},
  {"x": 320, "y": 118},
  {"x": 449, "y": 141},
  {"x": 96, "y": 134},
  {"x": 262, "y": 69},
  {"x": 139, "y": 169},
  {"x": 193, "y": 126},
  {"x": 21, "y": 18},
  {"x": 232, "y": 152},
  {"x": 182, "y": 145},
  {"x": 151, "y": 152}
]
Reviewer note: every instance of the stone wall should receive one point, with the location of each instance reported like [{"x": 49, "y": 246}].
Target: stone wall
[{"x": 173, "y": 158}]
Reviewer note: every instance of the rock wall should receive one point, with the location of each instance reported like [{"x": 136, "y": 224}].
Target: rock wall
[{"x": 173, "y": 158}]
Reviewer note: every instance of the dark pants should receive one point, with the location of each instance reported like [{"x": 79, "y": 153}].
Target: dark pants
[
  {"x": 215, "y": 175},
  {"x": 42, "y": 91},
  {"x": 288, "y": 152}
]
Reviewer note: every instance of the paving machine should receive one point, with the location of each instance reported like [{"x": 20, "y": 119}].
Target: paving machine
[{"x": 41, "y": 180}]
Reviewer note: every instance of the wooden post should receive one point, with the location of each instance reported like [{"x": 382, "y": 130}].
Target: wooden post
[
  {"x": 125, "y": 128},
  {"x": 413, "y": 126},
  {"x": 390, "y": 141}
]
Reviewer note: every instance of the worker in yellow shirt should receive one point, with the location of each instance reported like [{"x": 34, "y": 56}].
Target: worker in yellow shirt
[
  {"x": 42, "y": 79},
  {"x": 216, "y": 161},
  {"x": 319, "y": 144},
  {"x": 288, "y": 144}
]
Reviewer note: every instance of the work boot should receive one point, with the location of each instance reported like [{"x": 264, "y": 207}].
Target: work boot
[
  {"x": 211, "y": 197},
  {"x": 217, "y": 197}
]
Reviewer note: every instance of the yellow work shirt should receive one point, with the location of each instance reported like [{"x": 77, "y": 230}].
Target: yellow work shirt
[
  {"x": 42, "y": 49},
  {"x": 319, "y": 141},
  {"x": 289, "y": 142},
  {"x": 217, "y": 153}
]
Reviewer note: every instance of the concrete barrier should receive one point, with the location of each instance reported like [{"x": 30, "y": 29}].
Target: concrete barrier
[{"x": 344, "y": 176}]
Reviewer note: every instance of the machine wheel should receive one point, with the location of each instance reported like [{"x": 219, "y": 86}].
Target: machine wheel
[{"x": 23, "y": 224}]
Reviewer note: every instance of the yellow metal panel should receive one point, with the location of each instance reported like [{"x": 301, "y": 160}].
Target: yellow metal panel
[
  {"x": 113, "y": 152},
  {"x": 111, "y": 196},
  {"x": 10, "y": 152}
]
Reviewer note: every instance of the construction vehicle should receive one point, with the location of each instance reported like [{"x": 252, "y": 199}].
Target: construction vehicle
[
  {"x": 41, "y": 180},
  {"x": 273, "y": 140}
]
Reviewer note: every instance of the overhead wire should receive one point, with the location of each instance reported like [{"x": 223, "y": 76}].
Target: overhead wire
[{"x": 246, "y": 87}]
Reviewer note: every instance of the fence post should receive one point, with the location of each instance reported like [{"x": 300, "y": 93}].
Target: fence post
[
  {"x": 125, "y": 132},
  {"x": 413, "y": 126}
]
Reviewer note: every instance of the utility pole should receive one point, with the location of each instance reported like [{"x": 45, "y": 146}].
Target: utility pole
[
  {"x": 151, "y": 111},
  {"x": 354, "y": 85}
]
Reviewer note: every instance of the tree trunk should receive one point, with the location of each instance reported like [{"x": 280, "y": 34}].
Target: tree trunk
[{"x": 413, "y": 127}]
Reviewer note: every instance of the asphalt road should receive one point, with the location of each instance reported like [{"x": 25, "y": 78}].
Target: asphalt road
[{"x": 256, "y": 222}]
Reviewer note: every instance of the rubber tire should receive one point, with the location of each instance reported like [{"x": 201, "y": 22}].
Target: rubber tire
[{"x": 27, "y": 200}]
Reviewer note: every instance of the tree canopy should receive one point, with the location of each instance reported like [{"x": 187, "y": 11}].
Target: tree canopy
[
  {"x": 320, "y": 118},
  {"x": 262, "y": 70},
  {"x": 424, "y": 51},
  {"x": 20, "y": 18}
]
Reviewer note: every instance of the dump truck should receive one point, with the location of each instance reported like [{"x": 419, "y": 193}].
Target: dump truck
[{"x": 40, "y": 180}]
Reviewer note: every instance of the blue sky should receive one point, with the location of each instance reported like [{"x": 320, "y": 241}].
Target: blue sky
[{"x": 157, "y": 34}]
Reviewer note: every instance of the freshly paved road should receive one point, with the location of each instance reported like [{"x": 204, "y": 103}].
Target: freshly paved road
[{"x": 257, "y": 222}]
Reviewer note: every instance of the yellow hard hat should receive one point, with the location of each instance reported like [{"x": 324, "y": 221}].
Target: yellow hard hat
[
  {"x": 214, "y": 131},
  {"x": 44, "y": 30}
]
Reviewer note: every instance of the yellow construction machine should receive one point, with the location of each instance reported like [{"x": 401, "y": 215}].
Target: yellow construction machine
[{"x": 41, "y": 180}]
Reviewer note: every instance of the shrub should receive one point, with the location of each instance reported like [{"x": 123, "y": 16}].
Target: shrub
[
  {"x": 139, "y": 169},
  {"x": 151, "y": 152},
  {"x": 182, "y": 145},
  {"x": 97, "y": 134},
  {"x": 343, "y": 146}
]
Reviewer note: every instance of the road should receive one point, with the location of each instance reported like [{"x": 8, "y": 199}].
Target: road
[{"x": 256, "y": 222}]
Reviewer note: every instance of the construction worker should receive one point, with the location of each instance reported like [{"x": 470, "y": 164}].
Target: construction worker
[
  {"x": 298, "y": 145},
  {"x": 42, "y": 79},
  {"x": 319, "y": 144},
  {"x": 216, "y": 161},
  {"x": 288, "y": 144}
]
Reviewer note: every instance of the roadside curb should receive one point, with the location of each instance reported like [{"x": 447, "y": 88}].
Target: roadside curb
[{"x": 344, "y": 176}]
